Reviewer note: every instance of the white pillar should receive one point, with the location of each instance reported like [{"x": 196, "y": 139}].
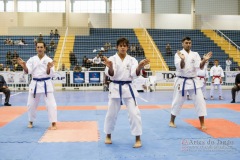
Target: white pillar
[{"x": 193, "y": 14}]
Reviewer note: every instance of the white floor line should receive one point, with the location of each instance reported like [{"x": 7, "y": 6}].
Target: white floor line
[
  {"x": 142, "y": 99},
  {"x": 13, "y": 94}
]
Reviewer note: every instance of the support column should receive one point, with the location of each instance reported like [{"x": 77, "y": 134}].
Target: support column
[
  {"x": 152, "y": 12},
  {"x": 193, "y": 14},
  {"x": 67, "y": 10}
]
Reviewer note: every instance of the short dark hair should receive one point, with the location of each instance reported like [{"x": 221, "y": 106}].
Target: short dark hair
[
  {"x": 186, "y": 38},
  {"x": 216, "y": 60},
  {"x": 44, "y": 44},
  {"x": 122, "y": 40}
]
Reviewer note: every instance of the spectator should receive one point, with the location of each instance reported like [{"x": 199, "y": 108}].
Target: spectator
[
  {"x": 15, "y": 54},
  {"x": 107, "y": 81},
  {"x": 1, "y": 67},
  {"x": 7, "y": 69},
  {"x": 56, "y": 34},
  {"x": 35, "y": 41},
  {"x": 72, "y": 58},
  {"x": 77, "y": 68},
  {"x": 14, "y": 61},
  {"x": 236, "y": 88},
  {"x": 97, "y": 60},
  {"x": 63, "y": 68},
  {"x": 40, "y": 38},
  {"x": 20, "y": 42},
  {"x": 168, "y": 50},
  {"x": 5, "y": 90},
  {"x": 8, "y": 58},
  {"x": 18, "y": 67},
  {"x": 52, "y": 45},
  {"x": 228, "y": 64},
  {"x": 51, "y": 34}
]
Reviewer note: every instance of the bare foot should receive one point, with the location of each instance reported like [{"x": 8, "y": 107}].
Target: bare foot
[
  {"x": 30, "y": 125},
  {"x": 171, "y": 124},
  {"x": 54, "y": 126},
  {"x": 138, "y": 144},
  {"x": 203, "y": 128},
  {"x": 108, "y": 139}
]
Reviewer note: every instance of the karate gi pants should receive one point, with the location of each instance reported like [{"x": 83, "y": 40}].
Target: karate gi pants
[
  {"x": 219, "y": 86},
  {"x": 198, "y": 100},
  {"x": 134, "y": 116},
  {"x": 204, "y": 90},
  {"x": 49, "y": 102}
]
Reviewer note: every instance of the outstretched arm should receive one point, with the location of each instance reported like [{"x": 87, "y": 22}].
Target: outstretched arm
[
  {"x": 205, "y": 59},
  {"x": 182, "y": 63},
  {"x": 23, "y": 64},
  {"x": 141, "y": 64},
  {"x": 109, "y": 64},
  {"x": 49, "y": 66}
]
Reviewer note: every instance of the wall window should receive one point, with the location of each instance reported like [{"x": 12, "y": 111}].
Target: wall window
[
  {"x": 89, "y": 6},
  {"x": 126, "y": 6},
  {"x": 27, "y": 6},
  {"x": 52, "y": 6},
  {"x": 10, "y": 6},
  {"x": 1, "y": 6}
]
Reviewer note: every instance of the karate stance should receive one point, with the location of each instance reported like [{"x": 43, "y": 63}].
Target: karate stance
[
  {"x": 41, "y": 67},
  {"x": 122, "y": 68},
  {"x": 187, "y": 64},
  {"x": 216, "y": 73},
  {"x": 203, "y": 77},
  {"x": 228, "y": 64}
]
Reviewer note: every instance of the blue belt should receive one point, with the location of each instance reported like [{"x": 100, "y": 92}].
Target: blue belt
[
  {"x": 45, "y": 85},
  {"x": 121, "y": 83},
  {"x": 184, "y": 82}
]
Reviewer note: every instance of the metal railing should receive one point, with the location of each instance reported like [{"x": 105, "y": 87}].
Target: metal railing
[
  {"x": 155, "y": 50},
  {"x": 226, "y": 38},
  {"x": 62, "y": 49}
]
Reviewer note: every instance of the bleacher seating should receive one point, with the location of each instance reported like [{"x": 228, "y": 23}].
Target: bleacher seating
[
  {"x": 84, "y": 45},
  {"x": 200, "y": 44},
  {"x": 24, "y": 51},
  {"x": 233, "y": 35}
]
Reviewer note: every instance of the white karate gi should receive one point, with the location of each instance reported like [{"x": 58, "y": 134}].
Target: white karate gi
[
  {"x": 228, "y": 64},
  {"x": 123, "y": 71},
  {"x": 202, "y": 76},
  {"x": 38, "y": 69},
  {"x": 192, "y": 65},
  {"x": 216, "y": 73}
]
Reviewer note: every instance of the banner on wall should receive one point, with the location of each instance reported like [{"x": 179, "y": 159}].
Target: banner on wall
[
  {"x": 165, "y": 76},
  {"x": 59, "y": 77},
  {"x": 230, "y": 77},
  {"x": 15, "y": 77},
  {"x": 78, "y": 77},
  {"x": 94, "y": 77}
]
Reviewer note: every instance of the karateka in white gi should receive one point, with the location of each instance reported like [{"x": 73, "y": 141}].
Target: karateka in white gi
[
  {"x": 187, "y": 64},
  {"x": 202, "y": 75},
  {"x": 41, "y": 67},
  {"x": 228, "y": 64},
  {"x": 122, "y": 68},
  {"x": 216, "y": 73}
]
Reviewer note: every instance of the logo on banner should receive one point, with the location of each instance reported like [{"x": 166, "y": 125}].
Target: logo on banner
[
  {"x": 58, "y": 76},
  {"x": 10, "y": 77},
  {"x": 78, "y": 77},
  {"x": 94, "y": 77},
  {"x": 22, "y": 78}
]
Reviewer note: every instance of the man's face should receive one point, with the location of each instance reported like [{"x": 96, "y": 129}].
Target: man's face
[
  {"x": 216, "y": 63},
  {"x": 187, "y": 44},
  {"x": 122, "y": 48},
  {"x": 40, "y": 48}
]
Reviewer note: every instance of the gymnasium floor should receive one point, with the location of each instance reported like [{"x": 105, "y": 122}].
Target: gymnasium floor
[{"x": 80, "y": 130}]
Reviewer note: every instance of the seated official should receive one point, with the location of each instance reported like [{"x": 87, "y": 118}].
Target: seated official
[
  {"x": 236, "y": 88},
  {"x": 5, "y": 90}
]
